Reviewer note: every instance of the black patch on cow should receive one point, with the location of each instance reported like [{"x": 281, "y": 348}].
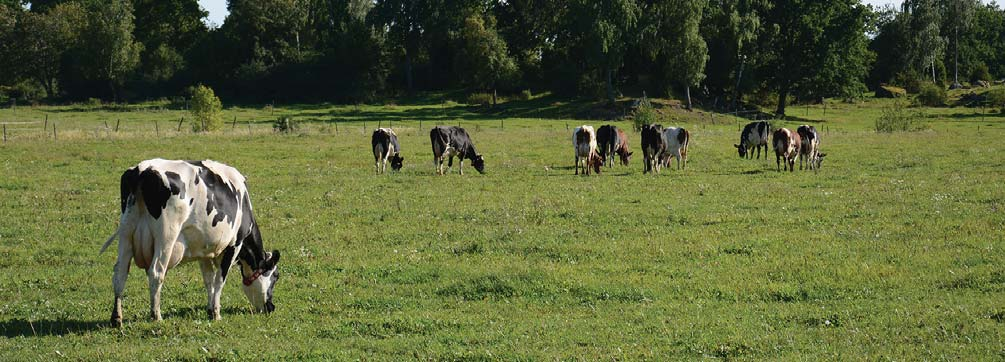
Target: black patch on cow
[
  {"x": 127, "y": 184},
  {"x": 220, "y": 196},
  {"x": 227, "y": 261},
  {"x": 196, "y": 164},
  {"x": 176, "y": 184},
  {"x": 608, "y": 141},
  {"x": 249, "y": 238},
  {"x": 682, "y": 136},
  {"x": 155, "y": 193}
]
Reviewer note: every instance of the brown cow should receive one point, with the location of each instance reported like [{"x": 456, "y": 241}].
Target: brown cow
[{"x": 787, "y": 145}]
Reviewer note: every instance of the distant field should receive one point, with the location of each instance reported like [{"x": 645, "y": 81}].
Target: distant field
[{"x": 894, "y": 251}]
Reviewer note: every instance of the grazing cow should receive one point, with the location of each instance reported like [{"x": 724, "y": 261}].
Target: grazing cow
[
  {"x": 786, "y": 148},
  {"x": 454, "y": 141},
  {"x": 385, "y": 148},
  {"x": 584, "y": 139},
  {"x": 652, "y": 147},
  {"x": 612, "y": 140},
  {"x": 179, "y": 211},
  {"x": 810, "y": 148},
  {"x": 754, "y": 135},
  {"x": 675, "y": 139}
]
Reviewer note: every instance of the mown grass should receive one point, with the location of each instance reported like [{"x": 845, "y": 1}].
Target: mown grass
[{"x": 893, "y": 251}]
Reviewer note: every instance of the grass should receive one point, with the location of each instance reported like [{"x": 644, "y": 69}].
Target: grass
[{"x": 892, "y": 251}]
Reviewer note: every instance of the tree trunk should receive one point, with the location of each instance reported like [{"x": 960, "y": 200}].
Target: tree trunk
[
  {"x": 687, "y": 90},
  {"x": 610, "y": 87},
  {"x": 408, "y": 71},
  {"x": 494, "y": 96},
  {"x": 783, "y": 97},
  {"x": 956, "y": 56}
]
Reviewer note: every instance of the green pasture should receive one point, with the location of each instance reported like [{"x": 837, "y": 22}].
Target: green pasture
[{"x": 894, "y": 251}]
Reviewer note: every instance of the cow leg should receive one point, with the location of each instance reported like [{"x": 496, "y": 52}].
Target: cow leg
[
  {"x": 163, "y": 246},
  {"x": 778, "y": 163},
  {"x": 577, "y": 163},
  {"x": 209, "y": 276},
  {"x": 121, "y": 272}
]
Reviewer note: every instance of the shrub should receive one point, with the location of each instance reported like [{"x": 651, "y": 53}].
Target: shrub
[
  {"x": 645, "y": 114},
  {"x": 93, "y": 103},
  {"x": 525, "y": 95},
  {"x": 931, "y": 95},
  {"x": 980, "y": 73},
  {"x": 898, "y": 119},
  {"x": 909, "y": 80},
  {"x": 285, "y": 125},
  {"x": 206, "y": 110},
  {"x": 483, "y": 99},
  {"x": 996, "y": 98}
]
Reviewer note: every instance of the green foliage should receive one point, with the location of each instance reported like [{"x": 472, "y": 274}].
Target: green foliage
[
  {"x": 996, "y": 98},
  {"x": 645, "y": 114},
  {"x": 285, "y": 125},
  {"x": 525, "y": 95},
  {"x": 931, "y": 95},
  {"x": 980, "y": 73},
  {"x": 206, "y": 110},
  {"x": 483, "y": 99},
  {"x": 672, "y": 39},
  {"x": 483, "y": 56},
  {"x": 898, "y": 118}
]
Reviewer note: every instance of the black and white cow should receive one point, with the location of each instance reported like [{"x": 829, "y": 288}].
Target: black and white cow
[
  {"x": 584, "y": 140},
  {"x": 450, "y": 141},
  {"x": 386, "y": 149},
  {"x": 652, "y": 147},
  {"x": 611, "y": 140},
  {"x": 179, "y": 211},
  {"x": 675, "y": 140},
  {"x": 754, "y": 135},
  {"x": 810, "y": 148}
]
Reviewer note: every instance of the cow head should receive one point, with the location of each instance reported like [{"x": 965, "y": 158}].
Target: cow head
[
  {"x": 478, "y": 162},
  {"x": 742, "y": 150},
  {"x": 258, "y": 286},
  {"x": 396, "y": 162},
  {"x": 820, "y": 159},
  {"x": 596, "y": 162},
  {"x": 625, "y": 157}
]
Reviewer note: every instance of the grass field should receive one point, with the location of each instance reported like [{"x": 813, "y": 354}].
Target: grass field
[{"x": 894, "y": 251}]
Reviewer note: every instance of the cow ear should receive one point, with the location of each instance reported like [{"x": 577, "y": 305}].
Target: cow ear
[
  {"x": 631, "y": 153},
  {"x": 821, "y": 155},
  {"x": 275, "y": 257},
  {"x": 737, "y": 146}
]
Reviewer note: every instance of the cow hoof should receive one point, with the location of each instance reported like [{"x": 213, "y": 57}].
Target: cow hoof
[{"x": 116, "y": 321}]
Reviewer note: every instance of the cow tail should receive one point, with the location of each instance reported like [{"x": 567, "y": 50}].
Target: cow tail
[{"x": 108, "y": 242}]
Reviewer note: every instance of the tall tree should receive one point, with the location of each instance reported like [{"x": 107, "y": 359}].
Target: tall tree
[
  {"x": 484, "y": 58},
  {"x": 43, "y": 40},
  {"x": 167, "y": 29},
  {"x": 959, "y": 15},
  {"x": 927, "y": 44},
  {"x": 107, "y": 53},
  {"x": 671, "y": 35},
  {"x": 604, "y": 29}
]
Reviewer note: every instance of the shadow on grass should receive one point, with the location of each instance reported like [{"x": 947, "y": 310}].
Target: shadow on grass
[{"x": 41, "y": 328}]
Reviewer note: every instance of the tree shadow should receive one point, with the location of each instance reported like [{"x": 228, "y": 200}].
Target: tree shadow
[{"x": 41, "y": 328}]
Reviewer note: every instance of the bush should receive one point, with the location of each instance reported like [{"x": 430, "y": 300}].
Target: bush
[
  {"x": 525, "y": 95},
  {"x": 931, "y": 95},
  {"x": 996, "y": 98},
  {"x": 980, "y": 73},
  {"x": 93, "y": 103},
  {"x": 898, "y": 119},
  {"x": 206, "y": 110},
  {"x": 909, "y": 80},
  {"x": 483, "y": 99},
  {"x": 645, "y": 114},
  {"x": 285, "y": 125}
]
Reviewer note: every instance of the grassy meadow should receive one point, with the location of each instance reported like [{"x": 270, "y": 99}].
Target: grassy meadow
[{"x": 894, "y": 251}]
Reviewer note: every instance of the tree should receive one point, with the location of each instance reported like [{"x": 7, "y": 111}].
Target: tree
[
  {"x": 167, "y": 29},
  {"x": 671, "y": 35},
  {"x": 604, "y": 29},
  {"x": 107, "y": 54},
  {"x": 730, "y": 28},
  {"x": 807, "y": 37},
  {"x": 206, "y": 109},
  {"x": 959, "y": 17},
  {"x": 927, "y": 44},
  {"x": 483, "y": 55}
]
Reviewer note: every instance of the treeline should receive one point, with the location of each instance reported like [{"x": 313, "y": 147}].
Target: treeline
[{"x": 715, "y": 51}]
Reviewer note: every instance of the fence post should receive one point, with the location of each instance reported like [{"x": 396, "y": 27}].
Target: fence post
[
  {"x": 179, "y": 123},
  {"x": 249, "y": 129},
  {"x": 45, "y": 126},
  {"x": 106, "y": 125},
  {"x": 157, "y": 128},
  {"x": 420, "y": 124},
  {"x": 4, "y": 133},
  {"x": 336, "y": 127},
  {"x": 235, "y": 123},
  {"x": 53, "y": 131},
  {"x": 117, "y": 125}
]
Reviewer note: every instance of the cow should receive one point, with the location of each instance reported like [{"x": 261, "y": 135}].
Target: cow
[
  {"x": 454, "y": 141},
  {"x": 810, "y": 148},
  {"x": 675, "y": 140},
  {"x": 611, "y": 140},
  {"x": 652, "y": 147},
  {"x": 385, "y": 148},
  {"x": 584, "y": 139},
  {"x": 178, "y": 211},
  {"x": 754, "y": 135},
  {"x": 787, "y": 146}
]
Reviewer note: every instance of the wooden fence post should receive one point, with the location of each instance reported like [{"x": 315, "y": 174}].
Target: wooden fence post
[
  {"x": 45, "y": 126},
  {"x": 117, "y": 125},
  {"x": 179, "y": 123},
  {"x": 157, "y": 128},
  {"x": 336, "y": 127},
  {"x": 53, "y": 131},
  {"x": 4, "y": 133},
  {"x": 249, "y": 129},
  {"x": 235, "y": 123}
]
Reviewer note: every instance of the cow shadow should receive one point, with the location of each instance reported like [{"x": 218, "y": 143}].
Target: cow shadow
[
  {"x": 199, "y": 312},
  {"x": 41, "y": 328}
]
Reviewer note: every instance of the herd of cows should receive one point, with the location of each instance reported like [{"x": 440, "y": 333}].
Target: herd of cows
[{"x": 178, "y": 211}]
